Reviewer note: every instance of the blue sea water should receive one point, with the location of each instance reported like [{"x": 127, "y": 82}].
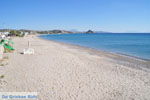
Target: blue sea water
[{"x": 133, "y": 44}]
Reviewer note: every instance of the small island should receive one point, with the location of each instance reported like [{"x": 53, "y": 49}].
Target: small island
[{"x": 89, "y": 31}]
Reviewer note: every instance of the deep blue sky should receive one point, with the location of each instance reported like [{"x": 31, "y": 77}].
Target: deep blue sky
[{"x": 106, "y": 15}]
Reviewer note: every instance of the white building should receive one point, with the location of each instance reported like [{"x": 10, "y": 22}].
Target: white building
[{"x": 4, "y": 33}]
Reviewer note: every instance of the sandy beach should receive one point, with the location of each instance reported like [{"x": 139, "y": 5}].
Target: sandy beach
[{"x": 62, "y": 72}]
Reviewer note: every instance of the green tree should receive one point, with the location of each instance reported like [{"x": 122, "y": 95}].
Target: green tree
[{"x": 15, "y": 33}]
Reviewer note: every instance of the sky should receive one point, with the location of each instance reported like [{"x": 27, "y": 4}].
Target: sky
[{"x": 81, "y": 15}]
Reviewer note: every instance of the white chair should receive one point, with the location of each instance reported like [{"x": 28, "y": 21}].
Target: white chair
[{"x": 28, "y": 51}]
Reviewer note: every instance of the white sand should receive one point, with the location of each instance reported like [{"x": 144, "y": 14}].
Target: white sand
[{"x": 59, "y": 72}]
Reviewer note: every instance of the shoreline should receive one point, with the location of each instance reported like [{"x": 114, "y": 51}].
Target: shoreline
[
  {"x": 123, "y": 59},
  {"x": 60, "y": 71},
  {"x": 111, "y": 52}
]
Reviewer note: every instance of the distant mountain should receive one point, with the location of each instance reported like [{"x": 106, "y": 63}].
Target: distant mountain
[
  {"x": 89, "y": 31},
  {"x": 54, "y": 32},
  {"x": 4, "y": 30},
  {"x": 51, "y": 31},
  {"x": 75, "y": 31},
  {"x": 102, "y": 32},
  {"x": 37, "y": 31}
]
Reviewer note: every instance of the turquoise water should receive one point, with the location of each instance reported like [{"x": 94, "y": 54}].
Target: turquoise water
[{"x": 126, "y": 43}]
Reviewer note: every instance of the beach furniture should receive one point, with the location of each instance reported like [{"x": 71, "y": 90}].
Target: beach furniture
[
  {"x": 28, "y": 50},
  {"x": 7, "y": 44}
]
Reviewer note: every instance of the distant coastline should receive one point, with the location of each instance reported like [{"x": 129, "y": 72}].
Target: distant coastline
[
  {"x": 59, "y": 31},
  {"x": 51, "y": 31}
]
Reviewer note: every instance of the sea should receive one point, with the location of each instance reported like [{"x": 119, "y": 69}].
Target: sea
[{"x": 132, "y": 44}]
